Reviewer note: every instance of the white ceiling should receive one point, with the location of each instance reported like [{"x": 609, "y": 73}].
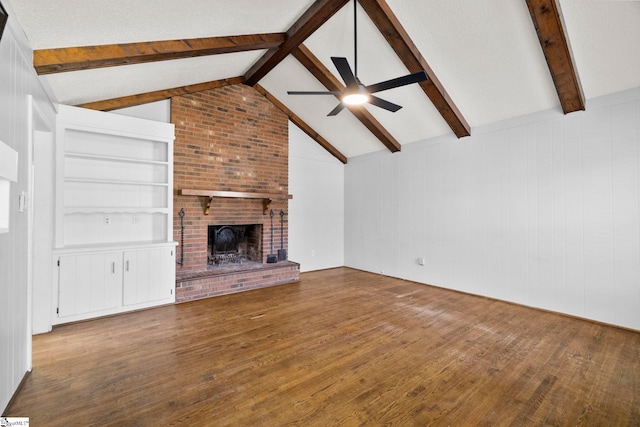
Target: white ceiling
[{"x": 485, "y": 53}]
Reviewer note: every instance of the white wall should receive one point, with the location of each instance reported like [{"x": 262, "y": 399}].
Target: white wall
[
  {"x": 159, "y": 111},
  {"x": 17, "y": 81},
  {"x": 543, "y": 211},
  {"x": 316, "y": 213}
]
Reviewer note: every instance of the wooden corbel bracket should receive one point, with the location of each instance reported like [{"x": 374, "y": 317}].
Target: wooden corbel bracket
[
  {"x": 265, "y": 205},
  {"x": 208, "y": 205}
]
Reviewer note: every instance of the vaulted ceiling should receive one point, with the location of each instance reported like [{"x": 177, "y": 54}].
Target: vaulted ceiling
[{"x": 486, "y": 60}]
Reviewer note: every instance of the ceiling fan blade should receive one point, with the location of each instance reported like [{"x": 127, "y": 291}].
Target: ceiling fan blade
[
  {"x": 345, "y": 71},
  {"x": 307, "y": 92},
  {"x": 397, "y": 82},
  {"x": 379, "y": 102},
  {"x": 336, "y": 110}
]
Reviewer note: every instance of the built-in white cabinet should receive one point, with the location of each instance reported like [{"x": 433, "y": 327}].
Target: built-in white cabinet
[
  {"x": 114, "y": 200},
  {"x": 144, "y": 273},
  {"x": 92, "y": 283}
]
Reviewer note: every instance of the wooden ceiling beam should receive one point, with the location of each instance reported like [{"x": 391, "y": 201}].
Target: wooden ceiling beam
[
  {"x": 48, "y": 61},
  {"x": 309, "y": 22},
  {"x": 132, "y": 100},
  {"x": 399, "y": 39},
  {"x": 303, "y": 125},
  {"x": 324, "y": 76},
  {"x": 547, "y": 20}
]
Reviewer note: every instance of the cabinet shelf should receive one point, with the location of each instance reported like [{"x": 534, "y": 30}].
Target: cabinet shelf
[
  {"x": 142, "y": 244},
  {"x": 113, "y": 210},
  {"x": 85, "y": 156},
  {"x": 114, "y": 181}
]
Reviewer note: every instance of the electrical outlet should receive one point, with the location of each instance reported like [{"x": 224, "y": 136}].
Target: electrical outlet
[
  {"x": 313, "y": 252},
  {"x": 421, "y": 261},
  {"x": 107, "y": 220}
]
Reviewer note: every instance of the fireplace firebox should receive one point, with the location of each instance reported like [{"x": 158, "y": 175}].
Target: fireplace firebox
[{"x": 234, "y": 244}]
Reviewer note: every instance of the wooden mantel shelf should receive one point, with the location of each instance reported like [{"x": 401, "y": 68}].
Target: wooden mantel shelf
[{"x": 210, "y": 194}]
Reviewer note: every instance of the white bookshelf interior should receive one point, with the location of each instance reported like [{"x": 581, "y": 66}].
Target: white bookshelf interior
[{"x": 115, "y": 189}]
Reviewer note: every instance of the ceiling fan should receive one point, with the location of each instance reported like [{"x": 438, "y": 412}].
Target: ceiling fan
[{"x": 355, "y": 93}]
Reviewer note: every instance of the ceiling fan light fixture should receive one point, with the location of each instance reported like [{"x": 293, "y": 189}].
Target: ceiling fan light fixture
[{"x": 357, "y": 98}]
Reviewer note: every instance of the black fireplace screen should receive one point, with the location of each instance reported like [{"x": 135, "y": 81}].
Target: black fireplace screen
[{"x": 235, "y": 244}]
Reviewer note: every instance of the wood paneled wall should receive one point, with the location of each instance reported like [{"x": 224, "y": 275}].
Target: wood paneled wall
[
  {"x": 17, "y": 81},
  {"x": 542, "y": 210}
]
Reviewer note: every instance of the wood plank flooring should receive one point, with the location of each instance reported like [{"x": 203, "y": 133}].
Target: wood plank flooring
[{"x": 340, "y": 348}]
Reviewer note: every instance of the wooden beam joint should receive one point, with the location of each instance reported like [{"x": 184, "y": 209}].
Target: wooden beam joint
[{"x": 312, "y": 19}]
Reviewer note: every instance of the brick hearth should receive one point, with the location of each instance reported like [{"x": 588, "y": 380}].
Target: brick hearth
[
  {"x": 190, "y": 286},
  {"x": 228, "y": 139}
]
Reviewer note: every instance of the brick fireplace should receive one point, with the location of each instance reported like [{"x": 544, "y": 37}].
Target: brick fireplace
[{"x": 234, "y": 142}]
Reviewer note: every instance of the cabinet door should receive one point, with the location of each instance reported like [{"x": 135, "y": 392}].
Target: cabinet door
[
  {"x": 149, "y": 275},
  {"x": 89, "y": 283}
]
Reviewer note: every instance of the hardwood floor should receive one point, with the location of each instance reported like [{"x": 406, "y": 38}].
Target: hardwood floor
[{"x": 340, "y": 348}]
